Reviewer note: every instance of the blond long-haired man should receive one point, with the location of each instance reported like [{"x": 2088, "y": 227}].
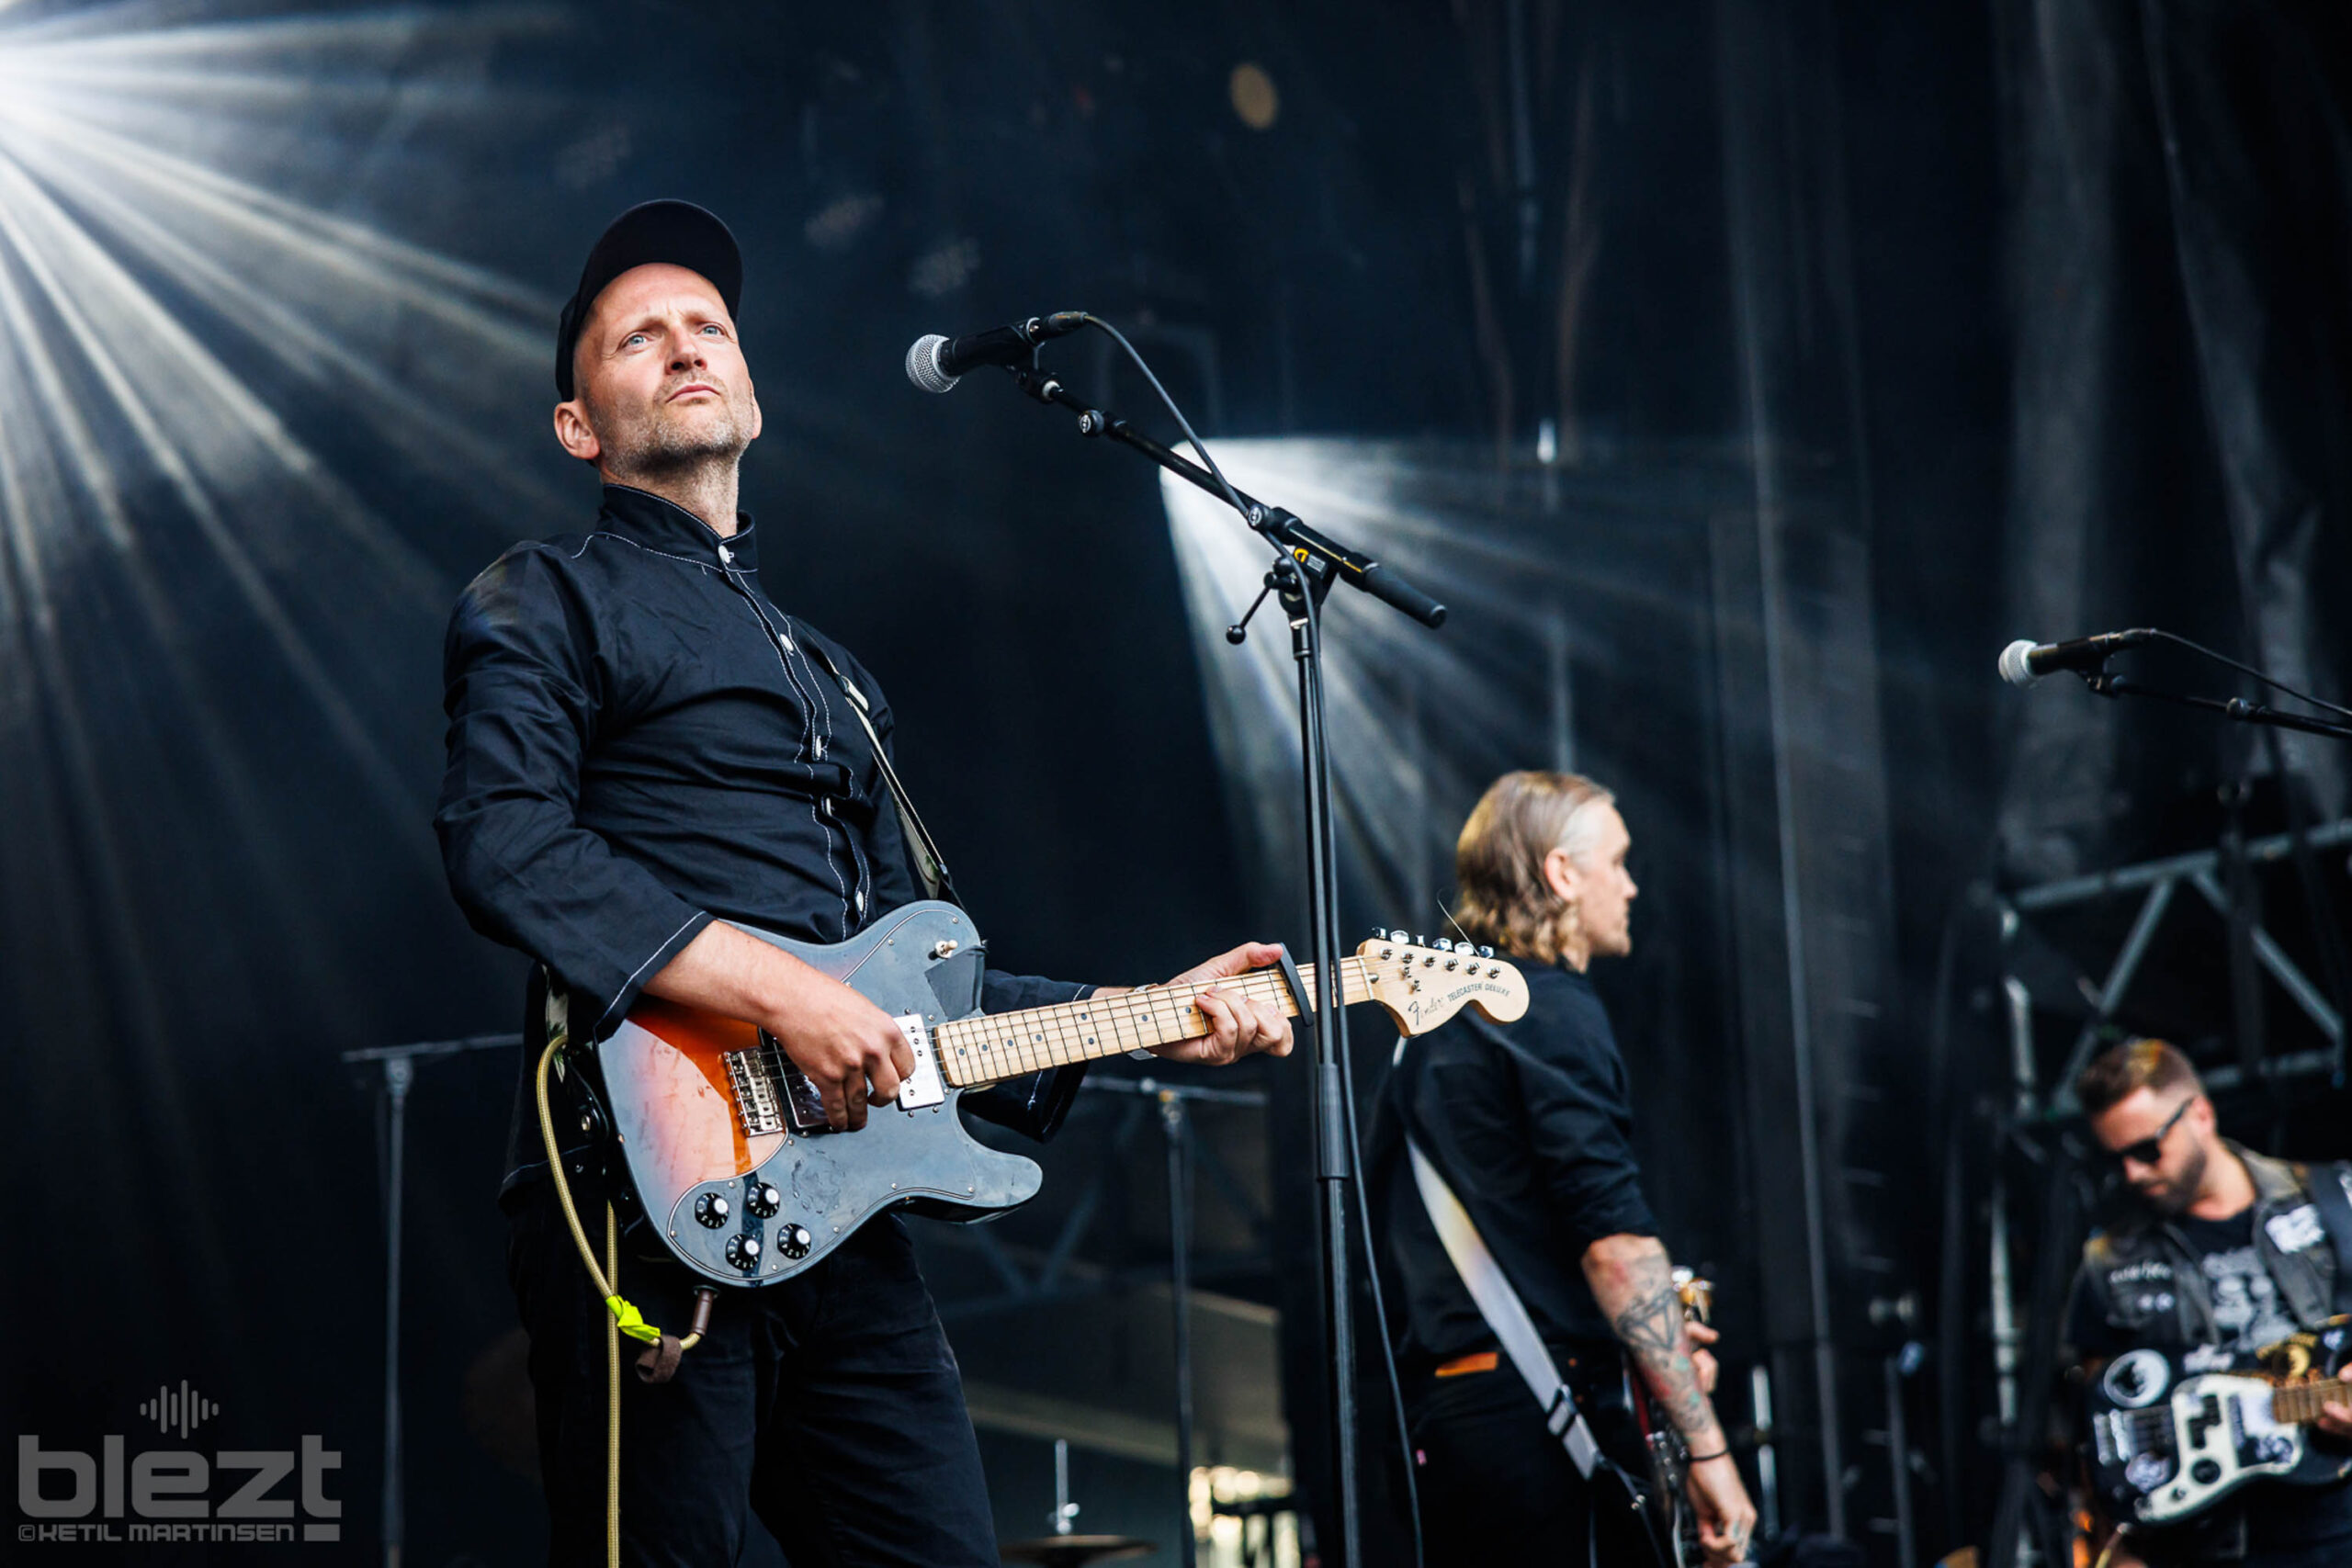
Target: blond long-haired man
[{"x": 1530, "y": 1125}]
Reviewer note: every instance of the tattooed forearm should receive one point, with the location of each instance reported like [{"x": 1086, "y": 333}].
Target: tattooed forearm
[{"x": 1633, "y": 1279}]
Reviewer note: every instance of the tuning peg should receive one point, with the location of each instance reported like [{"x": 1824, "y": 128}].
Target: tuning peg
[
  {"x": 1420, "y": 942},
  {"x": 1444, "y": 945},
  {"x": 1486, "y": 952}
]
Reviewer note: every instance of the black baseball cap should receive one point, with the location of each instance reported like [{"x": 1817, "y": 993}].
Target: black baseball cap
[{"x": 678, "y": 232}]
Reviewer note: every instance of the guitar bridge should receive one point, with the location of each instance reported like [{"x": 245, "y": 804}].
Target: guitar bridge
[{"x": 749, "y": 1075}]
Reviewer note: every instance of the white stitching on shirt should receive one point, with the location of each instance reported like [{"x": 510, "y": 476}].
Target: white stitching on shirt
[
  {"x": 649, "y": 957},
  {"x": 824, "y": 830},
  {"x": 825, "y": 706},
  {"x": 632, "y": 544},
  {"x": 731, "y": 573}
]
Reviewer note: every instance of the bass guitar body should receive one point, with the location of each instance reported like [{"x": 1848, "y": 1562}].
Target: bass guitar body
[{"x": 2166, "y": 1442}]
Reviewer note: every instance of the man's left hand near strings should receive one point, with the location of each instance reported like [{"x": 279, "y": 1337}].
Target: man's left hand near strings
[
  {"x": 1240, "y": 1026},
  {"x": 2335, "y": 1416}
]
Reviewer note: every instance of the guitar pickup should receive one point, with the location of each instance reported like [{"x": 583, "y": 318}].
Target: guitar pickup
[
  {"x": 804, "y": 1104},
  {"x": 922, "y": 1087}
]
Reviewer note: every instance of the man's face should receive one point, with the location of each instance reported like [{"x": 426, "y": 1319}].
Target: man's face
[
  {"x": 2168, "y": 1183},
  {"x": 1597, "y": 879},
  {"x": 659, "y": 378}
]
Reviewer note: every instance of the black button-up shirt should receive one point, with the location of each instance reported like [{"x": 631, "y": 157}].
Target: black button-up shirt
[
  {"x": 640, "y": 742},
  {"x": 1530, "y": 1125}
]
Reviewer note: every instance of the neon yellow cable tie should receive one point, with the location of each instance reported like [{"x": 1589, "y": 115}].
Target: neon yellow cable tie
[{"x": 631, "y": 1322}]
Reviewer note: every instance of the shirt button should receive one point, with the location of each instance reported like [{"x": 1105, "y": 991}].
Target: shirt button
[{"x": 725, "y": 555}]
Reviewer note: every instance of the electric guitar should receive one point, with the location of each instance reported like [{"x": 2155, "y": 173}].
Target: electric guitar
[
  {"x": 729, "y": 1160},
  {"x": 2166, "y": 1442}
]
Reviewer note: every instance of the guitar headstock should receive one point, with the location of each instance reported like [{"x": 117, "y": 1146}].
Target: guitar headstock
[
  {"x": 1696, "y": 1295},
  {"x": 1421, "y": 987}
]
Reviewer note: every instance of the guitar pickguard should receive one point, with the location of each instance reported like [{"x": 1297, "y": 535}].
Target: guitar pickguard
[
  {"x": 2165, "y": 1447},
  {"x": 726, "y": 1142}
]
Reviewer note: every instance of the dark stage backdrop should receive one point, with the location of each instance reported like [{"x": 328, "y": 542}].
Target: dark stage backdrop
[
  {"x": 1697, "y": 348},
  {"x": 279, "y": 287}
]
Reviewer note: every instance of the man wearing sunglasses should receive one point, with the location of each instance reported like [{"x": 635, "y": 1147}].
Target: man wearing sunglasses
[{"x": 2217, "y": 1248}]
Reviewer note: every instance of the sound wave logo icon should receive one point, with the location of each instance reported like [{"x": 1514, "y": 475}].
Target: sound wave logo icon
[{"x": 182, "y": 1407}]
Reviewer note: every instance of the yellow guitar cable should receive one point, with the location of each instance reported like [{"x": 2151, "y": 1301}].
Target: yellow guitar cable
[{"x": 627, "y": 1319}]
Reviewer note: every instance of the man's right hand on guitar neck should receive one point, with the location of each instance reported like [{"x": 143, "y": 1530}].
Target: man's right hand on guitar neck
[{"x": 842, "y": 1042}]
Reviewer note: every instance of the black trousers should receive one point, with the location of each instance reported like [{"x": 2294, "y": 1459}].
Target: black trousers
[
  {"x": 831, "y": 1406},
  {"x": 1497, "y": 1487}
]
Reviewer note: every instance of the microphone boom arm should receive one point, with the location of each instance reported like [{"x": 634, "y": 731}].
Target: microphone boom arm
[
  {"x": 2238, "y": 708},
  {"x": 1323, "y": 560}
]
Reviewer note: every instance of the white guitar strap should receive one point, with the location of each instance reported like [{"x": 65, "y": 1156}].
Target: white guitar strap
[{"x": 1504, "y": 1314}]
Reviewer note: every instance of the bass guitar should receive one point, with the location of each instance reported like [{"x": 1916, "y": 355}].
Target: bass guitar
[
  {"x": 729, "y": 1160},
  {"x": 2169, "y": 1441}
]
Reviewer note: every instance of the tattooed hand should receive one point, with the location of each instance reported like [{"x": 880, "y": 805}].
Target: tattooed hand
[{"x": 1633, "y": 1279}]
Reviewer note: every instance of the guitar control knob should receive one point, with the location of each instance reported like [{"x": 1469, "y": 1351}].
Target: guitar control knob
[
  {"x": 793, "y": 1241},
  {"x": 762, "y": 1199},
  {"x": 744, "y": 1252},
  {"x": 711, "y": 1209}
]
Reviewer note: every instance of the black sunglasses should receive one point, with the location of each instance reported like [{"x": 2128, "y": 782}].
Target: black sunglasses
[{"x": 2151, "y": 1150}]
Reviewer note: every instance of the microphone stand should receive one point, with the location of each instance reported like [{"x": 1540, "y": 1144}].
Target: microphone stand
[
  {"x": 2238, "y": 708},
  {"x": 1306, "y": 565}
]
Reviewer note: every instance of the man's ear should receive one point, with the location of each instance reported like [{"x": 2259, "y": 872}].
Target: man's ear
[
  {"x": 573, "y": 434},
  {"x": 758, "y": 418},
  {"x": 1560, "y": 874}
]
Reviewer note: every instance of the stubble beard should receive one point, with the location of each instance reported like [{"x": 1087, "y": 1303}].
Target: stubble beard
[
  {"x": 660, "y": 444},
  {"x": 2179, "y": 1194}
]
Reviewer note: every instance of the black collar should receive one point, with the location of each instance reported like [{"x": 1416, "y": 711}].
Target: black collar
[{"x": 663, "y": 524}]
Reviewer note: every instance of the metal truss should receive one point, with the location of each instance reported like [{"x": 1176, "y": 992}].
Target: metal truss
[{"x": 2156, "y": 881}]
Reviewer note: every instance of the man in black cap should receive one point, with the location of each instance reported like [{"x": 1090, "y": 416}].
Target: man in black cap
[{"x": 643, "y": 746}]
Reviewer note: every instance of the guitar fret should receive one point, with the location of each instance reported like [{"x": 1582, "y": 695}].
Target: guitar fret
[{"x": 990, "y": 1047}]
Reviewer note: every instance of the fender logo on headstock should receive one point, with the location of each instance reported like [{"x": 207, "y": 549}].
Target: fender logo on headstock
[{"x": 1421, "y": 987}]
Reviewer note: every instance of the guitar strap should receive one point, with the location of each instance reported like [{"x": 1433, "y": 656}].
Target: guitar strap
[
  {"x": 930, "y": 864},
  {"x": 2331, "y": 1188},
  {"x": 1504, "y": 1314}
]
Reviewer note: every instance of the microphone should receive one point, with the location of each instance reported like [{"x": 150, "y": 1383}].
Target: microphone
[
  {"x": 2023, "y": 663},
  {"x": 937, "y": 362}
]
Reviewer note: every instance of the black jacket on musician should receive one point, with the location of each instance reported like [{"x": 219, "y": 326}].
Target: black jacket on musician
[
  {"x": 640, "y": 742},
  {"x": 1530, "y": 1125}
]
